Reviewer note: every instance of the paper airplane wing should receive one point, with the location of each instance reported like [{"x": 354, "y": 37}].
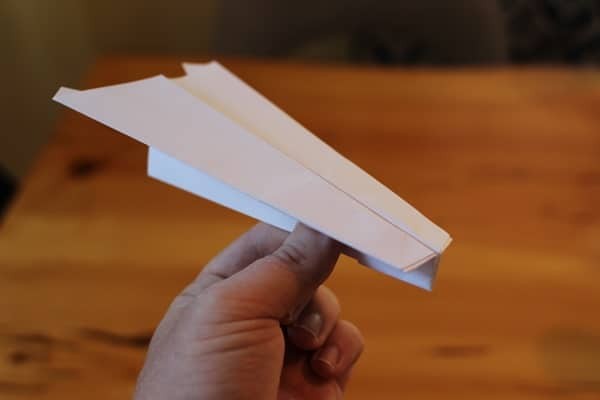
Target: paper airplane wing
[
  {"x": 213, "y": 149},
  {"x": 223, "y": 91}
]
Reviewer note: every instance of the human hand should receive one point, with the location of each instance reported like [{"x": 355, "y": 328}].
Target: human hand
[{"x": 256, "y": 324}]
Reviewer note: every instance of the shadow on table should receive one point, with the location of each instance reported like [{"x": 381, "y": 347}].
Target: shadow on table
[{"x": 571, "y": 358}]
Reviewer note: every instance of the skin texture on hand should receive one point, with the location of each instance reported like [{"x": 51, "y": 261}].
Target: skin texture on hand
[{"x": 256, "y": 324}]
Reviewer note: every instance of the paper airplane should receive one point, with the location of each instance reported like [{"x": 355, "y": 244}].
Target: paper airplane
[{"x": 211, "y": 134}]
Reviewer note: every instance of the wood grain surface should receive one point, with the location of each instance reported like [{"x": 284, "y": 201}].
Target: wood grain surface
[{"x": 508, "y": 161}]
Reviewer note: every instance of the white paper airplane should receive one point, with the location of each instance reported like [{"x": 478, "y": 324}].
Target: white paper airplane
[{"x": 211, "y": 134}]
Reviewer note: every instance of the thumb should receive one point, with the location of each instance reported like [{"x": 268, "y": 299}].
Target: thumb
[{"x": 279, "y": 285}]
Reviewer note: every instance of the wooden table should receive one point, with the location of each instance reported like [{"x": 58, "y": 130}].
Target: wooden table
[{"x": 508, "y": 161}]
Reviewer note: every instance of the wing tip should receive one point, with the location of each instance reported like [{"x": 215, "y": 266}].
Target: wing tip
[
  {"x": 63, "y": 94},
  {"x": 189, "y": 66}
]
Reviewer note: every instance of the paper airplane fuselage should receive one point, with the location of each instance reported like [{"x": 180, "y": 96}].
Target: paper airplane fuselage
[{"x": 214, "y": 136}]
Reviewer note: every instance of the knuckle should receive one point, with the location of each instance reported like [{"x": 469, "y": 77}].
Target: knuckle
[
  {"x": 331, "y": 297},
  {"x": 187, "y": 296},
  {"x": 355, "y": 333},
  {"x": 291, "y": 254}
]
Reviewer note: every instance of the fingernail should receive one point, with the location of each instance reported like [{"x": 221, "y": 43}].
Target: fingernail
[
  {"x": 311, "y": 323},
  {"x": 330, "y": 356}
]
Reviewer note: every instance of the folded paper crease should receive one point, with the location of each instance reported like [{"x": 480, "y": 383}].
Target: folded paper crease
[{"x": 212, "y": 135}]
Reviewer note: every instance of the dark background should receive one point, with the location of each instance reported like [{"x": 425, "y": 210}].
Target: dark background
[{"x": 47, "y": 44}]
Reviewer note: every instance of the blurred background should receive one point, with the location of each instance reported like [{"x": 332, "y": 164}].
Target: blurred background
[{"x": 46, "y": 44}]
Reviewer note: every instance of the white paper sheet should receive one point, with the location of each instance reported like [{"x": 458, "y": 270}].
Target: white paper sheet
[
  {"x": 223, "y": 91},
  {"x": 212, "y": 135}
]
